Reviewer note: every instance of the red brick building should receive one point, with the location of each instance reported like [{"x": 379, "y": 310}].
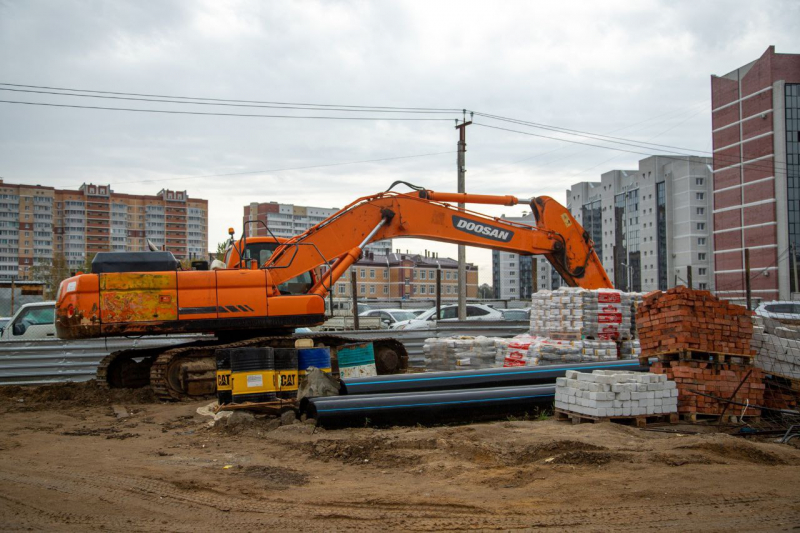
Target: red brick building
[{"x": 755, "y": 123}]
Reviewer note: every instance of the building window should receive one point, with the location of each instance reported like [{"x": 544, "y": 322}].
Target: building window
[
  {"x": 362, "y": 289},
  {"x": 422, "y": 288},
  {"x": 701, "y": 225},
  {"x": 431, "y": 275},
  {"x": 701, "y": 210},
  {"x": 371, "y": 273},
  {"x": 703, "y": 286},
  {"x": 702, "y": 271},
  {"x": 699, "y": 181},
  {"x": 432, "y": 289},
  {"x": 372, "y": 289},
  {"x": 385, "y": 289},
  {"x": 447, "y": 275},
  {"x": 449, "y": 287},
  {"x": 342, "y": 289},
  {"x": 363, "y": 273},
  {"x": 701, "y": 257},
  {"x": 701, "y": 241},
  {"x": 385, "y": 273},
  {"x": 700, "y": 195},
  {"x": 422, "y": 274}
]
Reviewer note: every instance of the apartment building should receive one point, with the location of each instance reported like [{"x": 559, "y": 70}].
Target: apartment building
[
  {"x": 650, "y": 225},
  {"x": 405, "y": 276},
  {"x": 288, "y": 220},
  {"x": 38, "y": 223},
  {"x": 755, "y": 120}
]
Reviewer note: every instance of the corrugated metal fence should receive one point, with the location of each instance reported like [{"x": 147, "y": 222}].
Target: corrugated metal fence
[{"x": 51, "y": 361}]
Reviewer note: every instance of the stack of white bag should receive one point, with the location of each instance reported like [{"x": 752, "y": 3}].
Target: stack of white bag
[
  {"x": 630, "y": 349},
  {"x": 556, "y": 352},
  {"x": 517, "y": 351},
  {"x": 603, "y": 314},
  {"x": 616, "y": 393},
  {"x": 460, "y": 353}
]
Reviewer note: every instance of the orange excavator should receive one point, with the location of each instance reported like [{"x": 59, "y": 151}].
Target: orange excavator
[{"x": 269, "y": 286}]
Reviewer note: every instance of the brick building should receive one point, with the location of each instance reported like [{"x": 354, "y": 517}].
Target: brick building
[
  {"x": 38, "y": 223},
  {"x": 755, "y": 122},
  {"x": 288, "y": 220},
  {"x": 406, "y": 276}
]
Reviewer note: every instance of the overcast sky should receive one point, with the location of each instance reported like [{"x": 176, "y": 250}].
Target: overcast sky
[{"x": 638, "y": 69}]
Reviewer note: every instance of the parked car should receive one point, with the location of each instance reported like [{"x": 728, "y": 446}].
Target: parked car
[
  {"x": 783, "y": 311},
  {"x": 3, "y": 321},
  {"x": 449, "y": 313},
  {"x": 418, "y": 312},
  {"x": 31, "y": 322},
  {"x": 516, "y": 314},
  {"x": 390, "y": 316}
]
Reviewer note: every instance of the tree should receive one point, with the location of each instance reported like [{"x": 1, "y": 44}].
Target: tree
[
  {"x": 51, "y": 273},
  {"x": 221, "y": 246},
  {"x": 485, "y": 292}
]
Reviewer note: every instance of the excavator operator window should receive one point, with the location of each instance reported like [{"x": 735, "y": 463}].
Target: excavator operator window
[{"x": 262, "y": 251}]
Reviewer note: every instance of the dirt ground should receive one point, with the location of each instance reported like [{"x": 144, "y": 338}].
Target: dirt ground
[{"x": 68, "y": 462}]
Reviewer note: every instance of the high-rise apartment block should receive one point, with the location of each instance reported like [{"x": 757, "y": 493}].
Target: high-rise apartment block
[
  {"x": 38, "y": 223},
  {"x": 755, "y": 122},
  {"x": 512, "y": 274},
  {"x": 651, "y": 224},
  {"x": 288, "y": 220}
]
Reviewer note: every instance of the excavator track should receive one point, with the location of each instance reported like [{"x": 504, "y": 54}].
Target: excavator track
[{"x": 187, "y": 371}]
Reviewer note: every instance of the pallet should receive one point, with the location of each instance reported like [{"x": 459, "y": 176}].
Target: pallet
[
  {"x": 699, "y": 418},
  {"x": 698, "y": 356},
  {"x": 639, "y": 421},
  {"x": 271, "y": 408}
]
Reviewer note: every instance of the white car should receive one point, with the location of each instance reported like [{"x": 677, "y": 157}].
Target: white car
[
  {"x": 449, "y": 313},
  {"x": 30, "y": 322},
  {"x": 390, "y": 316},
  {"x": 784, "y": 311}
]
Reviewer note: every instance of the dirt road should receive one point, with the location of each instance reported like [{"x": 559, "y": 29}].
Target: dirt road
[{"x": 69, "y": 463}]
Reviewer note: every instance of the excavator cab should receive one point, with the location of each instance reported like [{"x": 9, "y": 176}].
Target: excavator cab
[{"x": 260, "y": 249}]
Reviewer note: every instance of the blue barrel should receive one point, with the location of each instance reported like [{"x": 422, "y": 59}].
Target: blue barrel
[{"x": 316, "y": 357}]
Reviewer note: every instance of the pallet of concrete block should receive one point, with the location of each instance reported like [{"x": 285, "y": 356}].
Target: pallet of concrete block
[
  {"x": 777, "y": 348},
  {"x": 615, "y": 395},
  {"x": 630, "y": 349},
  {"x": 460, "y": 353},
  {"x": 517, "y": 351},
  {"x": 603, "y": 314}
]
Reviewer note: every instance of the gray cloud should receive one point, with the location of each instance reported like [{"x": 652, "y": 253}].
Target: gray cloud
[{"x": 638, "y": 69}]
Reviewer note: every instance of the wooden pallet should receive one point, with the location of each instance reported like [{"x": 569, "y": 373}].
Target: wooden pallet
[
  {"x": 729, "y": 417},
  {"x": 639, "y": 421},
  {"x": 698, "y": 356},
  {"x": 271, "y": 408}
]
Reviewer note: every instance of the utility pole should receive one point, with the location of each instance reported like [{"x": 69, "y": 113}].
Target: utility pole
[
  {"x": 438, "y": 292},
  {"x": 747, "y": 276},
  {"x": 354, "y": 290},
  {"x": 689, "y": 276},
  {"x": 794, "y": 268},
  {"x": 462, "y": 188},
  {"x": 534, "y": 275}
]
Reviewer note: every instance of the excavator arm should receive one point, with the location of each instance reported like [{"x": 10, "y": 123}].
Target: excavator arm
[{"x": 338, "y": 241}]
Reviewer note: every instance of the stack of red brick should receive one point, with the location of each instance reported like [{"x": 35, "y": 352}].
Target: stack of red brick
[
  {"x": 684, "y": 319},
  {"x": 715, "y": 379}
]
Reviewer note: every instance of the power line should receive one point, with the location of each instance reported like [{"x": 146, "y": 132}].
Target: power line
[
  {"x": 227, "y": 100},
  {"x": 649, "y": 154},
  {"x": 188, "y": 102},
  {"x": 248, "y": 115},
  {"x": 286, "y": 169},
  {"x": 626, "y": 142}
]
